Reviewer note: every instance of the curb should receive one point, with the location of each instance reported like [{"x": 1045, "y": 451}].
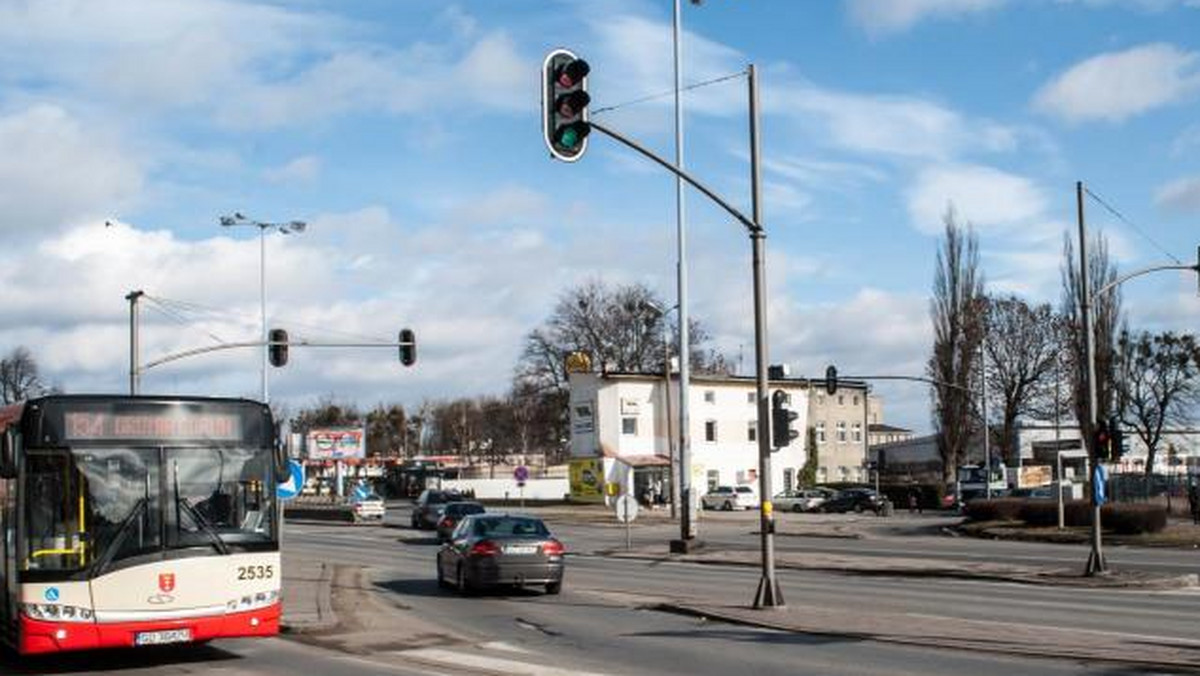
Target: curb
[{"x": 1050, "y": 577}]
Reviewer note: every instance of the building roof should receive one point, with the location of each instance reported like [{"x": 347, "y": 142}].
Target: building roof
[
  {"x": 880, "y": 427},
  {"x": 733, "y": 380}
]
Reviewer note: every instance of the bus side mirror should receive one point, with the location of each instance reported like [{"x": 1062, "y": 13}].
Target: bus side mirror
[
  {"x": 283, "y": 470},
  {"x": 10, "y": 441}
]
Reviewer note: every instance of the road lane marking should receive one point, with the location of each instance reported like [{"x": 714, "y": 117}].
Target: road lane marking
[{"x": 487, "y": 663}]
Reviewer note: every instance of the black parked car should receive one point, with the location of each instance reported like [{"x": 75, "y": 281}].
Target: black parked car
[
  {"x": 452, "y": 513},
  {"x": 428, "y": 507},
  {"x": 854, "y": 500},
  {"x": 488, "y": 550}
]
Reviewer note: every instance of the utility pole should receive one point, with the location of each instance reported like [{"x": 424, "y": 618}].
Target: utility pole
[
  {"x": 1096, "y": 563},
  {"x": 769, "y": 595},
  {"x": 687, "y": 522},
  {"x": 134, "y": 373},
  {"x": 987, "y": 445}
]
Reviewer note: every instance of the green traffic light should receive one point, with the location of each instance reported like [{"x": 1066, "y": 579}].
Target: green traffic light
[{"x": 569, "y": 138}]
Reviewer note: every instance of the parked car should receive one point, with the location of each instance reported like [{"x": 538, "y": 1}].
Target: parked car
[
  {"x": 488, "y": 550},
  {"x": 854, "y": 500},
  {"x": 729, "y": 498},
  {"x": 452, "y": 513},
  {"x": 807, "y": 500},
  {"x": 369, "y": 507},
  {"x": 429, "y": 504}
]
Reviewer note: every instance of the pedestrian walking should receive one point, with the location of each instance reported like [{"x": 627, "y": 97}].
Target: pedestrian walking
[{"x": 1194, "y": 501}]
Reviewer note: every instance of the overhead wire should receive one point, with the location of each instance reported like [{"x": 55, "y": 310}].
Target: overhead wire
[
  {"x": 670, "y": 92},
  {"x": 200, "y": 309},
  {"x": 1130, "y": 223}
]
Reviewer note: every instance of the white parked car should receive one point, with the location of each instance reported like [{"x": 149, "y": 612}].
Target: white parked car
[
  {"x": 369, "y": 508},
  {"x": 729, "y": 498}
]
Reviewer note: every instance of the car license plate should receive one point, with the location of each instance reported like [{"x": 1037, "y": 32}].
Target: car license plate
[
  {"x": 520, "y": 549},
  {"x": 163, "y": 637}
]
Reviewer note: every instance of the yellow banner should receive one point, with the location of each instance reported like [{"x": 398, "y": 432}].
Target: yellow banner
[{"x": 586, "y": 477}]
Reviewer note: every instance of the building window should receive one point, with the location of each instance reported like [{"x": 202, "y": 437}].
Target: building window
[
  {"x": 856, "y": 400},
  {"x": 820, "y": 433},
  {"x": 841, "y": 432},
  {"x": 788, "y": 479},
  {"x": 752, "y": 430},
  {"x": 857, "y": 432},
  {"x": 710, "y": 430},
  {"x": 710, "y": 397},
  {"x": 714, "y": 480},
  {"x": 841, "y": 400},
  {"x": 629, "y": 426},
  {"x": 750, "y": 397},
  {"x": 820, "y": 400},
  {"x": 822, "y": 475}
]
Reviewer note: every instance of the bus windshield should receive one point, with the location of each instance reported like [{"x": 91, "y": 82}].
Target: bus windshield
[{"x": 91, "y": 508}]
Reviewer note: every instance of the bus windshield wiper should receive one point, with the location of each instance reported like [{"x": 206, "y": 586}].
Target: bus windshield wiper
[
  {"x": 202, "y": 522},
  {"x": 110, "y": 552}
]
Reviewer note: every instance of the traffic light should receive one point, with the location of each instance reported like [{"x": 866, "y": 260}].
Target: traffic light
[
  {"x": 831, "y": 380},
  {"x": 408, "y": 347},
  {"x": 278, "y": 347},
  {"x": 1102, "y": 440},
  {"x": 781, "y": 421},
  {"x": 564, "y": 104}
]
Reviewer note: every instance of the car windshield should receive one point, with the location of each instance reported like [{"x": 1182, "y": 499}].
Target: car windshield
[
  {"x": 101, "y": 505},
  {"x": 508, "y": 526},
  {"x": 744, "y": 489},
  {"x": 462, "y": 508}
]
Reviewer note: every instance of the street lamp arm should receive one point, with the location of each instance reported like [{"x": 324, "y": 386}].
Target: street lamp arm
[
  {"x": 750, "y": 225},
  {"x": 1138, "y": 273}
]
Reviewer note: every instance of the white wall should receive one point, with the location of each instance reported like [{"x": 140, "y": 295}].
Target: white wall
[{"x": 495, "y": 489}]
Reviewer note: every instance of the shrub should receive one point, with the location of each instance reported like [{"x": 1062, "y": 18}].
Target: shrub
[
  {"x": 1133, "y": 519},
  {"x": 999, "y": 509}
]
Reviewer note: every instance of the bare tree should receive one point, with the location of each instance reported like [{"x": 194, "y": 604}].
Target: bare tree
[
  {"x": 387, "y": 431},
  {"x": 326, "y": 413},
  {"x": 957, "y": 312},
  {"x": 19, "y": 377},
  {"x": 1021, "y": 348},
  {"x": 1106, "y": 317},
  {"x": 1156, "y": 384}
]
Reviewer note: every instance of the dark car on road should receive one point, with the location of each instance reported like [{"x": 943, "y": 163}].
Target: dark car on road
[
  {"x": 854, "y": 500},
  {"x": 489, "y": 550},
  {"x": 452, "y": 513},
  {"x": 429, "y": 505}
]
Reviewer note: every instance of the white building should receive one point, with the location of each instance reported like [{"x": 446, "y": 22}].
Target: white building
[{"x": 624, "y": 425}]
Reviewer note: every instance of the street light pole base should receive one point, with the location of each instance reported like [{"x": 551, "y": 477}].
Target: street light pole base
[
  {"x": 1096, "y": 564},
  {"x": 686, "y": 546},
  {"x": 769, "y": 594}
]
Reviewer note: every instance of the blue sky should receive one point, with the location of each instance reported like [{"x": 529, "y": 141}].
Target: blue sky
[{"x": 407, "y": 135}]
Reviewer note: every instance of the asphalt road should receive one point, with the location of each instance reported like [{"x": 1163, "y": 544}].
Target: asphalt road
[{"x": 598, "y": 625}]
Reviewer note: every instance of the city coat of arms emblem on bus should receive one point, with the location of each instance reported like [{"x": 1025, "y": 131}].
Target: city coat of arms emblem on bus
[{"x": 166, "y": 582}]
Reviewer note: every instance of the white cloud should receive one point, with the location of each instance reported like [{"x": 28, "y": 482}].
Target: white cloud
[
  {"x": 56, "y": 169},
  {"x": 986, "y": 197},
  {"x": 879, "y": 17},
  {"x": 1119, "y": 85},
  {"x": 1182, "y": 195},
  {"x": 300, "y": 170},
  {"x": 891, "y": 125}
]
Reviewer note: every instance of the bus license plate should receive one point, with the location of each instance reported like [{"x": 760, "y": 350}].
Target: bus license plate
[{"x": 163, "y": 637}]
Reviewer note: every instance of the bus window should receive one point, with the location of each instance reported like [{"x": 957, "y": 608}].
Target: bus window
[{"x": 54, "y": 517}]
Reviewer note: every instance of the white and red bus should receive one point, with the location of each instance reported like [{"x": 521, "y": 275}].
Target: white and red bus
[{"x": 132, "y": 521}]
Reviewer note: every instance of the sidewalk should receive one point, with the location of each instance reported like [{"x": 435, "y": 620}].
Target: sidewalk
[
  {"x": 307, "y": 596},
  {"x": 910, "y": 567}
]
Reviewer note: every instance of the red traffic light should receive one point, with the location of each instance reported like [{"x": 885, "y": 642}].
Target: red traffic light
[{"x": 572, "y": 73}]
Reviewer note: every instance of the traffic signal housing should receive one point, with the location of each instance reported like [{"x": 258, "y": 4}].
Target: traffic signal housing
[
  {"x": 782, "y": 417},
  {"x": 277, "y": 350},
  {"x": 565, "y": 100},
  {"x": 408, "y": 347},
  {"x": 1102, "y": 440}
]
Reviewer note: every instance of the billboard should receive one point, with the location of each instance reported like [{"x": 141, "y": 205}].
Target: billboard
[
  {"x": 336, "y": 443},
  {"x": 586, "y": 479}
]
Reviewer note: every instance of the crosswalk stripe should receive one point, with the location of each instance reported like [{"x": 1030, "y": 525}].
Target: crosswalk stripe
[{"x": 487, "y": 663}]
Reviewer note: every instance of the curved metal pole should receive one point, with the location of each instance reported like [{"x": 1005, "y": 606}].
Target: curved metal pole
[
  {"x": 916, "y": 379},
  {"x": 751, "y": 226},
  {"x": 229, "y": 346},
  {"x": 1138, "y": 273}
]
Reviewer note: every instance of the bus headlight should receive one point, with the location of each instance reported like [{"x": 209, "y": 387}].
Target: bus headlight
[{"x": 53, "y": 612}]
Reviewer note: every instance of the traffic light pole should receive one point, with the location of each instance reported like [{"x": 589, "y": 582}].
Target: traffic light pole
[
  {"x": 258, "y": 343},
  {"x": 768, "y": 595},
  {"x": 1096, "y": 563}
]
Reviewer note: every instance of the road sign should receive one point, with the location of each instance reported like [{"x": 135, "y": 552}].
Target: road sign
[
  {"x": 627, "y": 508},
  {"x": 291, "y": 488},
  {"x": 521, "y": 474}
]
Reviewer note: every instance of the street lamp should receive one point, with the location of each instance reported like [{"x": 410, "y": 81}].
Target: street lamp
[{"x": 290, "y": 227}]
